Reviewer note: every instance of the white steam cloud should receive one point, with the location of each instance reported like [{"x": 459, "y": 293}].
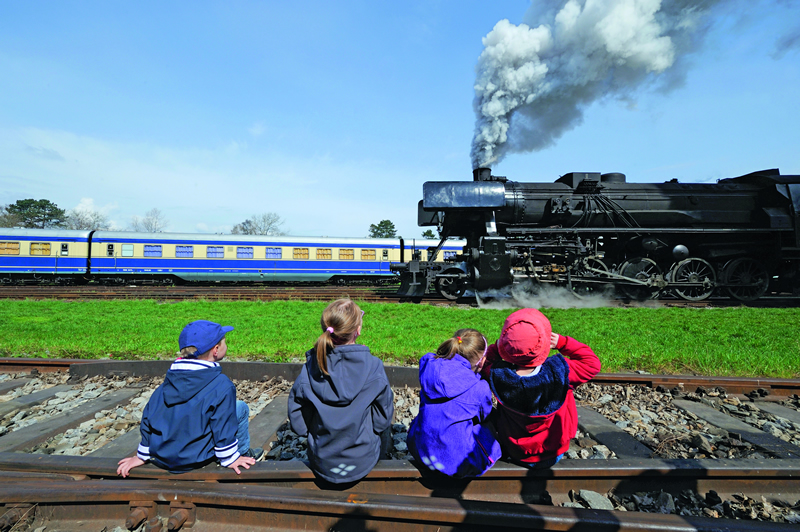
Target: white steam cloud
[{"x": 534, "y": 80}]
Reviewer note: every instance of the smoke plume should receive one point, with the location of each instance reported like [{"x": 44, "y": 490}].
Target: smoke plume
[{"x": 534, "y": 80}]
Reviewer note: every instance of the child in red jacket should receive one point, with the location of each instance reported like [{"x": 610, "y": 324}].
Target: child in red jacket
[{"x": 536, "y": 413}]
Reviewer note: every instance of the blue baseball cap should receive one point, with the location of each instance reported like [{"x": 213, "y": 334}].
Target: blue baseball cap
[{"x": 202, "y": 335}]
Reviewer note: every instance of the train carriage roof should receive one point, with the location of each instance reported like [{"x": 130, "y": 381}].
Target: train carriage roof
[
  {"x": 261, "y": 240},
  {"x": 21, "y": 232}
]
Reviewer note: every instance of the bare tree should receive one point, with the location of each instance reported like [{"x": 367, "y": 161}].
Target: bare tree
[
  {"x": 268, "y": 223},
  {"x": 87, "y": 219},
  {"x": 9, "y": 219},
  {"x": 153, "y": 222}
]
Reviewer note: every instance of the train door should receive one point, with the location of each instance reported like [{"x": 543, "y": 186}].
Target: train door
[
  {"x": 384, "y": 261},
  {"x": 272, "y": 257},
  {"x": 63, "y": 251}
]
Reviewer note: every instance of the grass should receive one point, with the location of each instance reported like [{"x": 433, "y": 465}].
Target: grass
[{"x": 736, "y": 341}]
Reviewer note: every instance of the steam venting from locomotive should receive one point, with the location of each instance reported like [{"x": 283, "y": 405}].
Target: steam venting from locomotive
[{"x": 535, "y": 79}]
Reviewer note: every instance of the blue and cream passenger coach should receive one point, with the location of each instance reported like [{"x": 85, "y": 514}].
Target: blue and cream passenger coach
[{"x": 124, "y": 257}]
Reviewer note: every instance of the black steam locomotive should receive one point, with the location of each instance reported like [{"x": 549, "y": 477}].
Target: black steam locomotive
[{"x": 598, "y": 235}]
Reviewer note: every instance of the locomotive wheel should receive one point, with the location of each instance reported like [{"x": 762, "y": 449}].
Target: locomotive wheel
[
  {"x": 640, "y": 269},
  {"x": 590, "y": 287},
  {"x": 694, "y": 270},
  {"x": 451, "y": 288},
  {"x": 746, "y": 279}
]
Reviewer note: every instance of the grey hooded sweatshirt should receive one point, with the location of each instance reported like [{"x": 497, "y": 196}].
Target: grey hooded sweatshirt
[{"x": 342, "y": 413}]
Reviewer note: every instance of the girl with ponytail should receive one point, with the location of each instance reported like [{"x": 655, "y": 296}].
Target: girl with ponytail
[
  {"x": 451, "y": 434},
  {"x": 342, "y": 400}
]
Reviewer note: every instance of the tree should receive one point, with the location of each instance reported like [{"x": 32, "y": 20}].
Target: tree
[
  {"x": 87, "y": 220},
  {"x": 384, "y": 229},
  {"x": 429, "y": 234},
  {"x": 268, "y": 223},
  {"x": 37, "y": 214},
  {"x": 153, "y": 222},
  {"x": 7, "y": 219}
]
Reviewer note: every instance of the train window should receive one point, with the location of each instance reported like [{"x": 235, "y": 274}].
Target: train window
[
  {"x": 110, "y": 250},
  {"x": 450, "y": 254},
  {"x": 40, "y": 248},
  {"x": 300, "y": 253},
  {"x": 367, "y": 254},
  {"x": 244, "y": 252},
  {"x": 65, "y": 249},
  {"x": 346, "y": 254},
  {"x": 184, "y": 251},
  {"x": 274, "y": 253},
  {"x": 152, "y": 250},
  {"x": 385, "y": 254},
  {"x": 127, "y": 250},
  {"x": 9, "y": 248},
  {"x": 215, "y": 252},
  {"x": 324, "y": 254}
]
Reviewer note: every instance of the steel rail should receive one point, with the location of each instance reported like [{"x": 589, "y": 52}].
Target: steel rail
[
  {"x": 58, "y": 504},
  {"x": 505, "y": 482}
]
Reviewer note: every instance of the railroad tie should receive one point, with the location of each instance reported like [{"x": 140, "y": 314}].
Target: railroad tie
[
  {"x": 32, "y": 435},
  {"x": 264, "y": 427},
  {"x": 35, "y": 398},
  {"x": 779, "y": 411},
  {"x": 606, "y": 432},
  {"x": 748, "y": 433},
  {"x": 13, "y": 384}
]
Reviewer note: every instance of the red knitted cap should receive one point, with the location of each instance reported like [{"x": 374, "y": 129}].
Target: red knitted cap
[{"x": 525, "y": 340}]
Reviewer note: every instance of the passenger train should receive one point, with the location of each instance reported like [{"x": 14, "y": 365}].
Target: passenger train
[{"x": 121, "y": 257}]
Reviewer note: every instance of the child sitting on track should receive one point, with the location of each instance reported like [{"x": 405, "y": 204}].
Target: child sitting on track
[
  {"x": 342, "y": 400},
  {"x": 450, "y": 434},
  {"x": 536, "y": 416},
  {"x": 194, "y": 418}
]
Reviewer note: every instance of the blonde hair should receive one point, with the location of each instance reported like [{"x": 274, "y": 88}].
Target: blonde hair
[
  {"x": 468, "y": 343},
  {"x": 191, "y": 351},
  {"x": 343, "y": 317}
]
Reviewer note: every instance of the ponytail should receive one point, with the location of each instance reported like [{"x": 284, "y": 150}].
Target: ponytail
[
  {"x": 468, "y": 343},
  {"x": 340, "y": 321}
]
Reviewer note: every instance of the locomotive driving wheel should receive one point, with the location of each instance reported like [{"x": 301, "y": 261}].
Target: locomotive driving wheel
[
  {"x": 694, "y": 271},
  {"x": 641, "y": 269},
  {"x": 590, "y": 282},
  {"x": 746, "y": 279},
  {"x": 451, "y": 287}
]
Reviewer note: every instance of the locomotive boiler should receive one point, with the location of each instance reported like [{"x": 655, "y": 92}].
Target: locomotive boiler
[{"x": 598, "y": 234}]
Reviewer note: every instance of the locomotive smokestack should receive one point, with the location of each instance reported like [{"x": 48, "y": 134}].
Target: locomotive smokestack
[{"x": 482, "y": 174}]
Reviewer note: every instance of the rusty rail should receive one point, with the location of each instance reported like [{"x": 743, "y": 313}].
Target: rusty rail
[{"x": 98, "y": 505}]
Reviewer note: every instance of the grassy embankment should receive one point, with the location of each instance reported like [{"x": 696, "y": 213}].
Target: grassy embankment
[{"x": 731, "y": 341}]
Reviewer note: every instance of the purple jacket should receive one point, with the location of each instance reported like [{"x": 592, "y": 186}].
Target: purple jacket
[{"x": 447, "y": 435}]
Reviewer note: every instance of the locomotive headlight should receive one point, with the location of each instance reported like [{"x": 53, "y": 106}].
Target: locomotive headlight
[{"x": 680, "y": 252}]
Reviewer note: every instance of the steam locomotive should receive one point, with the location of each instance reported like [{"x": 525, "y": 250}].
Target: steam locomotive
[{"x": 597, "y": 234}]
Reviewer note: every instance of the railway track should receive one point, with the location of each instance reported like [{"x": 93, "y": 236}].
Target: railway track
[
  {"x": 223, "y": 292},
  {"x": 63, "y": 492},
  {"x": 372, "y": 294}
]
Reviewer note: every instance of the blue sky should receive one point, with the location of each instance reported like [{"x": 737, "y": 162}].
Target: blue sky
[{"x": 333, "y": 114}]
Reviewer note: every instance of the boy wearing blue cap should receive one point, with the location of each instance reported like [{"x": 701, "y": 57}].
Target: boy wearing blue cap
[{"x": 193, "y": 418}]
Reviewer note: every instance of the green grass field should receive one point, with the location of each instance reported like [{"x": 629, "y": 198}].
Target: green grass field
[{"x": 716, "y": 341}]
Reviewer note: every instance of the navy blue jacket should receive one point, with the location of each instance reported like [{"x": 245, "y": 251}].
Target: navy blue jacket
[
  {"x": 191, "y": 418},
  {"x": 343, "y": 413}
]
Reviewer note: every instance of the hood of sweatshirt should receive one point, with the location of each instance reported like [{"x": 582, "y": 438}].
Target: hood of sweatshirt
[
  {"x": 349, "y": 367},
  {"x": 440, "y": 381},
  {"x": 180, "y": 385}
]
